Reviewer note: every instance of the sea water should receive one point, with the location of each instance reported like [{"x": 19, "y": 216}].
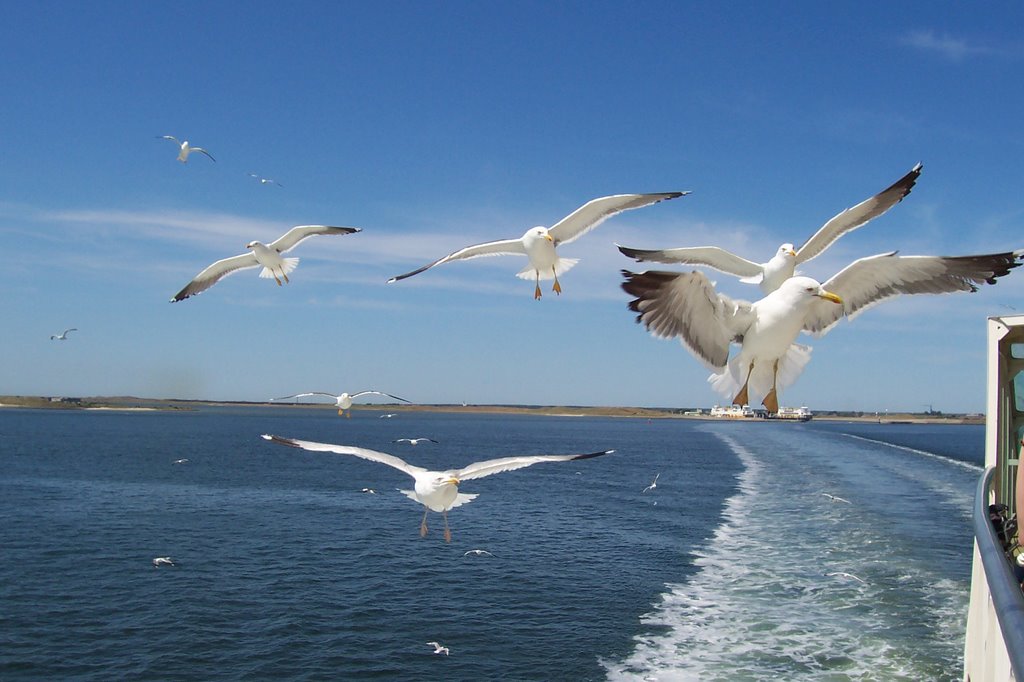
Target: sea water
[{"x": 285, "y": 569}]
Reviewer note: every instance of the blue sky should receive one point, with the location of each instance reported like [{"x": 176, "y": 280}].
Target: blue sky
[{"x": 436, "y": 125}]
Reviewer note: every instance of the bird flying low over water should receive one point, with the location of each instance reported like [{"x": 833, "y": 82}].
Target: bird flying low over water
[
  {"x": 783, "y": 264},
  {"x": 438, "y": 649},
  {"x": 414, "y": 441},
  {"x": 184, "y": 148},
  {"x": 63, "y": 336},
  {"x": 162, "y": 561},
  {"x": 685, "y": 305},
  {"x": 267, "y": 255},
  {"x": 343, "y": 401},
  {"x": 436, "y": 490},
  {"x": 538, "y": 244}
]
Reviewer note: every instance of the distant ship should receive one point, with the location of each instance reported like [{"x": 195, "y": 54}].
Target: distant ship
[{"x": 802, "y": 414}]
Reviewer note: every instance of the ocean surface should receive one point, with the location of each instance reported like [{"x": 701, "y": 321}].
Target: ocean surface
[{"x": 287, "y": 570}]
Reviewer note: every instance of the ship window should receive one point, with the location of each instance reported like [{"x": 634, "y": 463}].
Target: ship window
[{"x": 1017, "y": 350}]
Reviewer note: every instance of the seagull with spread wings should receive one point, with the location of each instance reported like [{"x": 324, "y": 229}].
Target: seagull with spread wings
[
  {"x": 267, "y": 255},
  {"x": 184, "y": 148},
  {"x": 344, "y": 401},
  {"x": 436, "y": 490},
  {"x": 685, "y": 305},
  {"x": 782, "y": 265},
  {"x": 539, "y": 243},
  {"x": 63, "y": 336}
]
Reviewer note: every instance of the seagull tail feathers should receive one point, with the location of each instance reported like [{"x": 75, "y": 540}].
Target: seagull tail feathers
[
  {"x": 289, "y": 265},
  {"x": 729, "y": 381},
  {"x": 562, "y": 266},
  {"x": 463, "y": 498}
]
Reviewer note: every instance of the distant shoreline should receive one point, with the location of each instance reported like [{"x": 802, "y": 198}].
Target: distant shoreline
[{"x": 132, "y": 404}]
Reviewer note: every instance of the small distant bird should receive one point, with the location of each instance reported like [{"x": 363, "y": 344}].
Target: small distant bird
[
  {"x": 654, "y": 483},
  {"x": 438, "y": 649},
  {"x": 181, "y": 461},
  {"x": 162, "y": 561},
  {"x": 478, "y": 552},
  {"x": 344, "y": 401},
  {"x": 265, "y": 181},
  {"x": 370, "y": 491},
  {"x": 387, "y": 416},
  {"x": 184, "y": 148},
  {"x": 539, "y": 243},
  {"x": 414, "y": 441},
  {"x": 844, "y": 574},
  {"x": 267, "y": 255},
  {"x": 63, "y": 336},
  {"x": 783, "y": 264},
  {"x": 436, "y": 490},
  {"x": 836, "y": 498}
]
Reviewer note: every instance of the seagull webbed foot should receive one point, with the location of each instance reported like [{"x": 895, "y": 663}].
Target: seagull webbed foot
[
  {"x": 771, "y": 402},
  {"x": 536, "y": 293}
]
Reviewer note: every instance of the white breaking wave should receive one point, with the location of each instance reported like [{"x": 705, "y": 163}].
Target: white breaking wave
[
  {"x": 763, "y": 607},
  {"x": 950, "y": 460}
]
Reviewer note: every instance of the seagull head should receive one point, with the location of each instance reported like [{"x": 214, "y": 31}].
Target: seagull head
[
  {"x": 808, "y": 289},
  {"x": 787, "y": 250},
  {"x": 252, "y": 245},
  {"x": 535, "y": 234},
  {"x": 446, "y": 479}
]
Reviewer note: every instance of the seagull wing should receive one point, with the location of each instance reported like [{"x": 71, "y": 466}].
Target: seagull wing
[
  {"x": 497, "y": 466},
  {"x": 295, "y": 235},
  {"x": 306, "y": 395},
  {"x": 203, "y": 151},
  {"x": 362, "y": 453},
  {"x": 73, "y": 329},
  {"x": 871, "y": 280},
  {"x": 504, "y": 247},
  {"x": 596, "y": 211},
  {"x": 356, "y": 395},
  {"x": 686, "y": 305},
  {"x": 213, "y": 274},
  {"x": 711, "y": 256},
  {"x": 855, "y": 216}
]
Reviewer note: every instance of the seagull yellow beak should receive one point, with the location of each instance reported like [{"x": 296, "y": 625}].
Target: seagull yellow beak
[
  {"x": 792, "y": 253},
  {"x": 549, "y": 238},
  {"x": 453, "y": 481},
  {"x": 829, "y": 296}
]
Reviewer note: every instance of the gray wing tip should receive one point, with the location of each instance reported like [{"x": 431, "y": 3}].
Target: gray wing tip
[
  {"x": 280, "y": 440},
  {"x": 591, "y": 455}
]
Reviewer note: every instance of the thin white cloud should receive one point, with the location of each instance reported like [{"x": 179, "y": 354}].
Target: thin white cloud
[{"x": 946, "y": 46}]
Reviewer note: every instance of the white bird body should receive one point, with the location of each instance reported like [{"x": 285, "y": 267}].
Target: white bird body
[
  {"x": 266, "y": 255},
  {"x": 414, "y": 441},
  {"x": 436, "y": 490},
  {"x": 539, "y": 244},
  {"x": 780, "y": 267},
  {"x": 184, "y": 148},
  {"x": 344, "y": 401},
  {"x": 162, "y": 561},
  {"x": 654, "y": 483},
  {"x": 63, "y": 336},
  {"x": 438, "y": 649},
  {"x": 685, "y": 305}
]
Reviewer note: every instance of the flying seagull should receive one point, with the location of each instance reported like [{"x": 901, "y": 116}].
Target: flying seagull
[
  {"x": 265, "y": 181},
  {"x": 478, "y": 552},
  {"x": 783, "y": 264},
  {"x": 436, "y": 490},
  {"x": 181, "y": 461},
  {"x": 162, "y": 561},
  {"x": 438, "y": 649},
  {"x": 184, "y": 148},
  {"x": 538, "y": 244},
  {"x": 63, "y": 336},
  {"x": 369, "y": 491},
  {"x": 267, "y": 255},
  {"x": 686, "y": 305},
  {"x": 414, "y": 441},
  {"x": 342, "y": 402},
  {"x": 836, "y": 498},
  {"x": 844, "y": 574},
  {"x": 654, "y": 483}
]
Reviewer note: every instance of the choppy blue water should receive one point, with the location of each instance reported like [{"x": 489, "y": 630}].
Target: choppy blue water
[{"x": 287, "y": 571}]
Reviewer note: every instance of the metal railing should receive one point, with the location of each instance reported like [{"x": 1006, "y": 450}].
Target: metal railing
[{"x": 1007, "y": 597}]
